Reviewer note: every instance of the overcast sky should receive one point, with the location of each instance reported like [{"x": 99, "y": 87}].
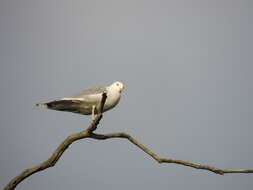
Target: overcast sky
[{"x": 187, "y": 68}]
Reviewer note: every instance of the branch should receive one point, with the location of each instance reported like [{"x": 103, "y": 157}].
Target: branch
[
  {"x": 166, "y": 160},
  {"x": 88, "y": 133}
]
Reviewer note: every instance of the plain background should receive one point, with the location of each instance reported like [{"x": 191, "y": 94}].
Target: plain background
[{"x": 187, "y": 67}]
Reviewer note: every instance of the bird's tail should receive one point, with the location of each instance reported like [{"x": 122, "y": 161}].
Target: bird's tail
[{"x": 42, "y": 105}]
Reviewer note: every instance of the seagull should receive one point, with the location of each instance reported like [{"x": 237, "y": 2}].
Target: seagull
[{"x": 87, "y": 101}]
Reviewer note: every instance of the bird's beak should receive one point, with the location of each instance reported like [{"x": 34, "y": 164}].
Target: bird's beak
[{"x": 122, "y": 89}]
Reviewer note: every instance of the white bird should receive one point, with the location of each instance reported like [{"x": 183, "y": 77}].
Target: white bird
[{"x": 87, "y": 101}]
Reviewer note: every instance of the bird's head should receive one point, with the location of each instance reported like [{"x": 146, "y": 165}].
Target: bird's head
[{"x": 118, "y": 86}]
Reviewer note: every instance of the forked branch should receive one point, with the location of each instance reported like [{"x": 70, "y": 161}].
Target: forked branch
[{"x": 88, "y": 133}]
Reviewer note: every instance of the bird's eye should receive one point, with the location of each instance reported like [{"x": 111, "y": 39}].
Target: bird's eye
[{"x": 117, "y": 84}]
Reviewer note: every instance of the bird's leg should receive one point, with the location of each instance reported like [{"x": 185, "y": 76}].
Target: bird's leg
[{"x": 93, "y": 112}]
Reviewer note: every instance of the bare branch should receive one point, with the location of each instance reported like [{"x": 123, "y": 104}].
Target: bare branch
[
  {"x": 166, "y": 160},
  {"x": 88, "y": 133}
]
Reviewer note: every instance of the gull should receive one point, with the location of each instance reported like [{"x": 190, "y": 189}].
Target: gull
[{"x": 87, "y": 101}]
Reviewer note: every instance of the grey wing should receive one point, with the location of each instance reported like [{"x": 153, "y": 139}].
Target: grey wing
[
  {"x": 89, "y": 91},
  {"x": 75, "y": 106}
]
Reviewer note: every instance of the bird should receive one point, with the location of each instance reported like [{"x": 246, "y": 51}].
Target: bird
[{"x": 87, "y": 101}]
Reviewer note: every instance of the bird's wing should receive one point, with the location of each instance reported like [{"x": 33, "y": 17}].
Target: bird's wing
[
  {"x": 89, "y": 92},
  {"x": 70, "y": 105},
  {"x": 78, "y": 103}
]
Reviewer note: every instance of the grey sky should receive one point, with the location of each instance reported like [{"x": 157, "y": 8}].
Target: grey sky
[{"x": 187, "y": 68}]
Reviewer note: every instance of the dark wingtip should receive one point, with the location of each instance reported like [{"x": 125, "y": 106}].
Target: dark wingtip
[{"x": 42, "y": 105}]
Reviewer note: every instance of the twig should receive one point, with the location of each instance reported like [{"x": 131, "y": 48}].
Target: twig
[
  {"x": 88, "y": 133},
  {"x": 95, "y": 122}
]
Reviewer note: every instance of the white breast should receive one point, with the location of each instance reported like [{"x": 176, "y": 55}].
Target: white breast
[{"x": 112, "y": 100}]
